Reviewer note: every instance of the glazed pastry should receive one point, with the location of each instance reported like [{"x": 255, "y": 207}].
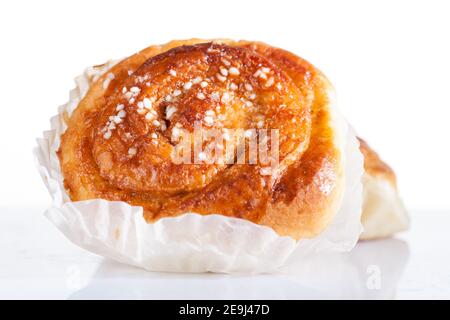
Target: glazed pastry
[
  {"x": 383, "y": 211},
  {"x": 121, "y": 137}
]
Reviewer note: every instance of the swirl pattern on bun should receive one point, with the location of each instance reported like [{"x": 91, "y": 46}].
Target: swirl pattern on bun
[{"x": 120, "y": 140}]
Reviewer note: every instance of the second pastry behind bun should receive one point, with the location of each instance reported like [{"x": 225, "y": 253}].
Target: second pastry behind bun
[{"x": 383, "y": 212}]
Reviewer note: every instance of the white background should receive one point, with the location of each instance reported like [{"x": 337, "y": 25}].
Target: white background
[{"x": 389, "y": 62}]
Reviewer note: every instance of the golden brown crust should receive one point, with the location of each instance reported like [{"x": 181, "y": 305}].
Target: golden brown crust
[
  {"x": 374, "y": 166},
  {"x": 121, "y": 161}
]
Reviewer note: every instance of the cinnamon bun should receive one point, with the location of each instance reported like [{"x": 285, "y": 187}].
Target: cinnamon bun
[{"x": 120, "y": 140}]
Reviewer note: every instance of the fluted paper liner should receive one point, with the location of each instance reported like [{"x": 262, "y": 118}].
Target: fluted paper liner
[{"x": 190, "y": 242}]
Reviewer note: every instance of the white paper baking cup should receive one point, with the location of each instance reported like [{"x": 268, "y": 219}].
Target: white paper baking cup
[{"x": 190, "y": 242}]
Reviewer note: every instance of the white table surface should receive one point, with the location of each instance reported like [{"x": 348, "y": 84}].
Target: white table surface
[{"x": 38, "y": 262}]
